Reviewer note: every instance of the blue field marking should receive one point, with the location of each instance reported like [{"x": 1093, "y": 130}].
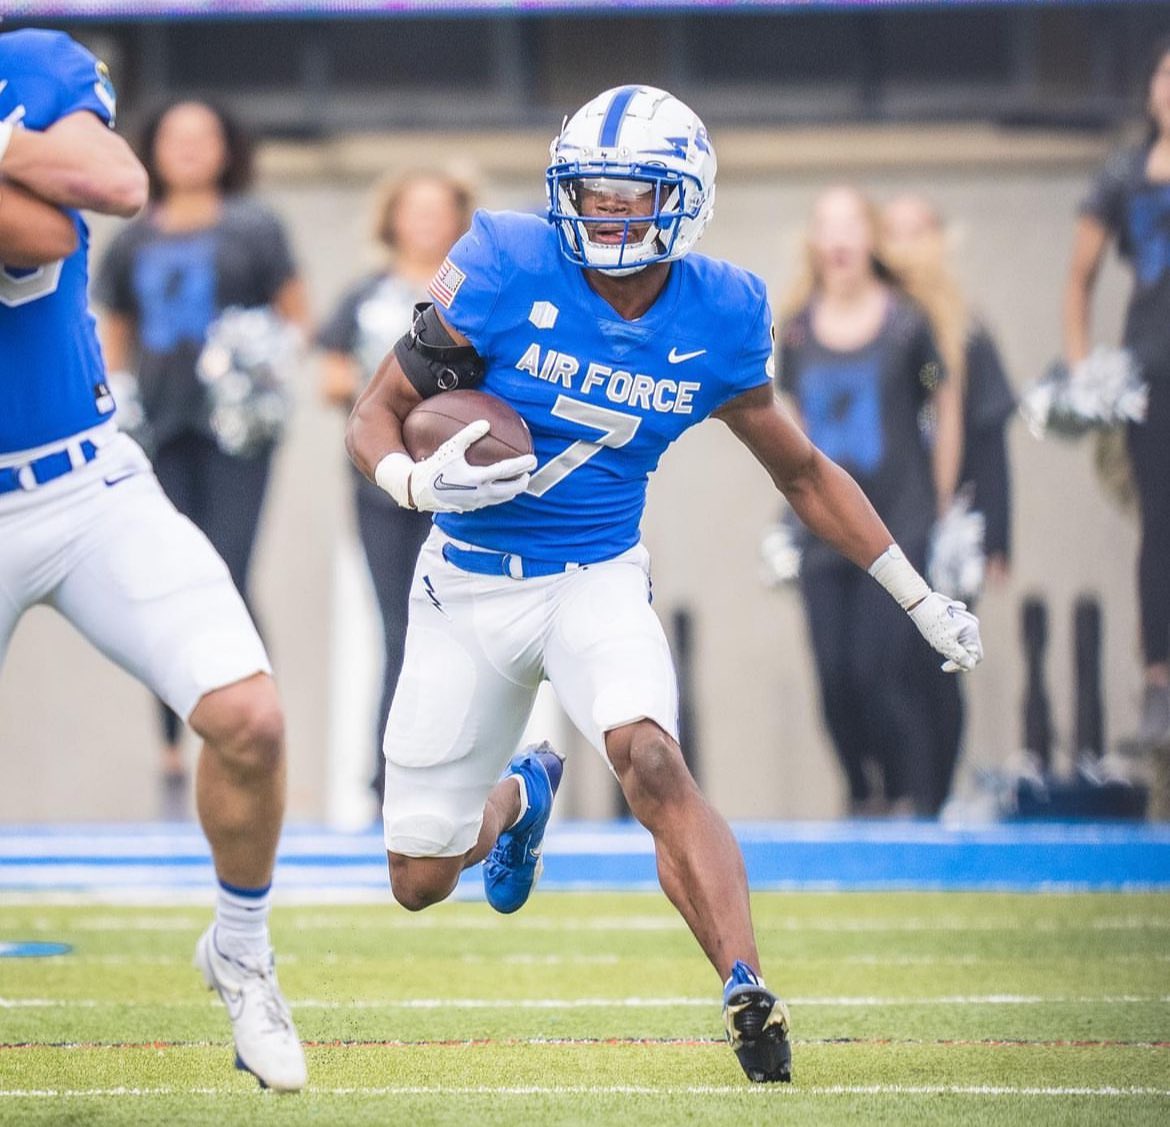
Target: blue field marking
[
  {"x": 31, "y": 950},
  {"x": 137, "y": 859}
]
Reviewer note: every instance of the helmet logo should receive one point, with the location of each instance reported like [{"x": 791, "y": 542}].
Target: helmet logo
[{"x": 642, "y": 136}]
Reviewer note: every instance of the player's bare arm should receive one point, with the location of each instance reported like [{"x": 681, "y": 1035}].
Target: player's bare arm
[
  {"x": 32, "y": 232},
  {"x": 823, "y": 495},
  {"x": 77, "y": 162},
  {"x": 834, "y": 508},
  {"x": 375, "y": 424},
  {"x": 445, "y": 481}
]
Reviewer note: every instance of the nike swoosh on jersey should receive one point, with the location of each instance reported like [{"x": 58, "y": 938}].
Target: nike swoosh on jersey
[
  {"x": 122, "y": 477},
  {"x": 440, "y": 483},
  {"x": 676, "y": 357}
]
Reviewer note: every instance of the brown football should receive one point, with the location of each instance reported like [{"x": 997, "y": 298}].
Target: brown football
[{"x": 436, "y": 419}]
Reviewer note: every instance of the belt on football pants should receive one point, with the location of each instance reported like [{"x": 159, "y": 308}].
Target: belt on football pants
[
  {"x": 48, "y": 467},
  {"x": 483, "y": 562}
]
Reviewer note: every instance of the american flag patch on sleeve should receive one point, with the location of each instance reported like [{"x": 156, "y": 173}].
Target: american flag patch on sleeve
[{"x": 445, "y": 284}]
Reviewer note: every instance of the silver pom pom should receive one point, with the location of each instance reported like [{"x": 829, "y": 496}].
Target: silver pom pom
[
  {"x": 245, "y": 364},
  {"x": 1104, "y": 390},
  {"x": 781, "y": 550},
  {"x": 130, "y": 414},
  {"x": 381, "y": 319}
]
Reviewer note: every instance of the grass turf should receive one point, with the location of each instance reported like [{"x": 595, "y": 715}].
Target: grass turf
[{"x": 590, "y": 1008}]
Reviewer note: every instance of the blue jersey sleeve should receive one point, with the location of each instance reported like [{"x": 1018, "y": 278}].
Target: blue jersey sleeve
[
  {"x": 55, "y": 76},
  {"x": 753, "y": 364},
  {"x": 468, "y": 285}
]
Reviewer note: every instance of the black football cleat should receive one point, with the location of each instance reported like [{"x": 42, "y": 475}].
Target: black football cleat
[{"x": 757, "y": 1027}]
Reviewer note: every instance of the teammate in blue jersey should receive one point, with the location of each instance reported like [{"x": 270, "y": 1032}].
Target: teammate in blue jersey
[
  {"x": 610, "y": 338},
  {"x": 86, "y": 529}
]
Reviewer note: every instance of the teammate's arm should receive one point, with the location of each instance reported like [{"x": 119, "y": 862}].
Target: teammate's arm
[
  {"x": 1090, "y": 239},
  {"x": 832, "y": 506},
  {"x": 32, "y": 232},
  {"x": 77, "y": 162}
]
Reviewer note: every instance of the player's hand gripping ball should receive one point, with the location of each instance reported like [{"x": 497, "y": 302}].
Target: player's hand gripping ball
[
  {"x": 443, "y": 416},
  {"x": 470, "y": 450}
]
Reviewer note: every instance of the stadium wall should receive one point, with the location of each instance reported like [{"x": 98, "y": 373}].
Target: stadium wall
[{"x": 77, "y": 737}]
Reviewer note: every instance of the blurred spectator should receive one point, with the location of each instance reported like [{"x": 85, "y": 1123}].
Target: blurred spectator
[
  {"x": 858, "y": 355},
  {"x": 202, "y": 246},
  {"x": 418, "y": 219},
  {"x": 915, "y": 243},
  {"x": 1129, "y": 204}
]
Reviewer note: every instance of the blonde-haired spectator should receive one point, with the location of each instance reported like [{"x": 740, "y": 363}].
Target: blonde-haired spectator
[
  {"x": 859, "y": 358},
  {"x": 418, "y": 216}
]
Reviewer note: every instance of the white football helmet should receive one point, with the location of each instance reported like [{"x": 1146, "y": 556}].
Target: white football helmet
[{"x": 641, "y": 136}]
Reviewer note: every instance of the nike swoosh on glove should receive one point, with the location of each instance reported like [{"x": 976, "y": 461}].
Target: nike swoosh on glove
[
  {"x": 446, "y": 482},
  {"x": 951, "y": 629}
]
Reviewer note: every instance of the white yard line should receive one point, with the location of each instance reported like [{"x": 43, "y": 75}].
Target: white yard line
[
  {"x": 394, "y": 918},
  {"x": 333, "y": 959},
  {"x": 606, "y": 1003},
  {"x": 758, "y": 1090}
]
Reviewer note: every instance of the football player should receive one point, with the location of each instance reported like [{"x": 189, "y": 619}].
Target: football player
[
  {"x": 610, "y": 337},
  {"x": 86, "y": 529}
]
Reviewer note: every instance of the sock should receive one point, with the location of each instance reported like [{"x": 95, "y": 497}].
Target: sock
[
  {"x": 523, "y": 801},
  {"x": 241, "y": 920},
  {"x": 742, "y": 975}
]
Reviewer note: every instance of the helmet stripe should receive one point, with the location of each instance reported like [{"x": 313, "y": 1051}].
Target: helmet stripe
[{"x": 612, "y": 124}]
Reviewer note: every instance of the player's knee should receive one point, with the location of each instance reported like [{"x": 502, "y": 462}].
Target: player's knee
[
  {"x": 244, "y": 725},
  {"x": 655, "y": 772},
  {"x": 420, "y": 882},
  {"x": 261, "y": 736}
]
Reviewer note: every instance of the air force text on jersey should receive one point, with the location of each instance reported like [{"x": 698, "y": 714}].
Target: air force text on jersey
[
  {"x": 619, "y": 386},
  {"x": 602, "y": 396}
]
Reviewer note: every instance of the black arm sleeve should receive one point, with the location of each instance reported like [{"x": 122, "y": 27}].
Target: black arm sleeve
[{"x": 431, "y": 359}]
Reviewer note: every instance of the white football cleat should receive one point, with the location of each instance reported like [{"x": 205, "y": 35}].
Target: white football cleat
[{"x": 267, "y": 1045}]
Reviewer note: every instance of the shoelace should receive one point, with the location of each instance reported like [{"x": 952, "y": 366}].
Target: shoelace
[
  {"x": 511, "y": 854},
  {"x": 277, "y": 1016}
]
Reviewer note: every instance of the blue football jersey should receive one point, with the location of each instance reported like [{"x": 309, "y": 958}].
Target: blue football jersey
[
  {"x": 602, "y": 396},
  {"x": 51, "y": 373}
]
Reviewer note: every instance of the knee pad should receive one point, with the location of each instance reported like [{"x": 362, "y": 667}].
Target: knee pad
[{"x": 428, "y": 835}]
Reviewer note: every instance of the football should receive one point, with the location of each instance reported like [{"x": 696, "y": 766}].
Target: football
[{"x": 436, "y": 419}]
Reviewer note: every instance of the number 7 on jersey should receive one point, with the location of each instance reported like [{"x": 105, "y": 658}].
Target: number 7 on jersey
[{"x": 616, "y": 430}]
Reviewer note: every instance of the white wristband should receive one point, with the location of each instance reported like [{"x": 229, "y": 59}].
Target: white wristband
[
  {"x": 392, "y": 473},
  {"x": 6, "y": 131},
  {"x": 896, "y": 575}
]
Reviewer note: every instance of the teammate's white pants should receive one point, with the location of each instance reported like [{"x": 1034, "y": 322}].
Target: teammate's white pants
[
  {"x": 104, "y": 547},
  {"x": 477, "y": 649}
]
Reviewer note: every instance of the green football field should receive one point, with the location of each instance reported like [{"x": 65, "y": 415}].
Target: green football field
[{"x": 597, "y": 1008}]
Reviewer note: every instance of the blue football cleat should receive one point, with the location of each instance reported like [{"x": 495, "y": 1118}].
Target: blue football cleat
[
  {"x": 757, "y": 1027},
  {"x": 512, "y": 868}
]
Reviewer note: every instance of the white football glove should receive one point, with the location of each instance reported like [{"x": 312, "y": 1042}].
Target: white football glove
[
  {"x": 447, "y": 483},
  {"x": 951, "y": 629}
]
